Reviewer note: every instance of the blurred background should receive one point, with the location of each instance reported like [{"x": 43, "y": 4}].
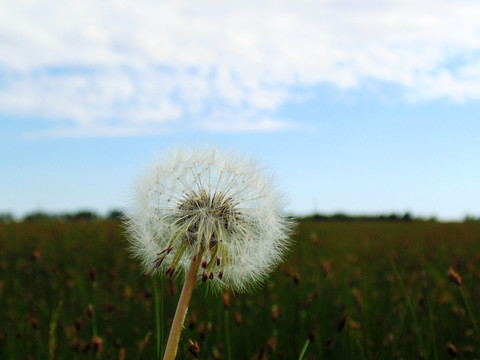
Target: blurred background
[{"x": 360, "y": 107}]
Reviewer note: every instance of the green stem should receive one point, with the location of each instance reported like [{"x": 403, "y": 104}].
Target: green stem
[
  {"x": 158, "y": 318},
  {"x": 227, "y": 335},
  {"x": 467, "y": 305},
  {"x": 94, "y": 316},
  {"x": 432, "y": 330},
  {"x": 52, "y": 344},
  {"x": 410, "y": 306},
  {"x": 304, "y": 349},
  {"x": 360, "y": 348}
]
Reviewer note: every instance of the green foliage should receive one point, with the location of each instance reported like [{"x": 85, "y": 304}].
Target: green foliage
[{"x": 348, "y": 290}]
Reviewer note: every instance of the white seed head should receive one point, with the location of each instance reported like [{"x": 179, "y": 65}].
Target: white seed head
[{"x": 202, "y": 202}]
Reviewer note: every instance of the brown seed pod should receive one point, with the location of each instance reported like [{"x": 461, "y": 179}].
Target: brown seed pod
[
  {"x": 274, "y": 314},
  {"x": 342, "y": 323},
  {"x": 452, "y": 350},
  {"x": 193, "y": 348},
  {"x": 296, "y": 278},
  {"x": 226, "y": 300},
  {"x": 90, "y": 311},
  {"x": 238, "y": 318},
  {"x": 97, "y": 345},
  {"x": 36, "y": 255},
  {"x": 454, "y": 277},
  {"x": 92, "y": 273},
  {"x": 192, "y": 320}
]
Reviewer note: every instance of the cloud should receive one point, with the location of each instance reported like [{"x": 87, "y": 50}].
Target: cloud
[{"x": 120, "y": 68}]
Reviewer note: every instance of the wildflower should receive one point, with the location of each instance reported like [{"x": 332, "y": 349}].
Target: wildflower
[{"x": 211, "y": 205}]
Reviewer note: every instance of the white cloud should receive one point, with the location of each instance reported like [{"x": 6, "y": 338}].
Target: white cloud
[{"x": 122, "y": 67}]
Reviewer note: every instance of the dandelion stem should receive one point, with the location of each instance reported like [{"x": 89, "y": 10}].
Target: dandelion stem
[{"x": 182, "y": 307}]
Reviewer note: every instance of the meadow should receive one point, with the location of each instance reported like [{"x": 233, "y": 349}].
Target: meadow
[{"x": 347, "y": 290}]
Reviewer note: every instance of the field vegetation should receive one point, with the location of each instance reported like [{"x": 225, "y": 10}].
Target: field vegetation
[{"x": 358, "y": 289}]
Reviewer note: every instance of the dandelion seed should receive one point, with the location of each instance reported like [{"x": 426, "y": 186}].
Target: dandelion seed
[{"x": 208, "y": 215}]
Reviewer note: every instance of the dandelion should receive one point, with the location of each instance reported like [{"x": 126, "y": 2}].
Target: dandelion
[{"x": 210, "y": 216}]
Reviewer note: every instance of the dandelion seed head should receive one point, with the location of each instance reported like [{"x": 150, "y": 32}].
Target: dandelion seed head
[{"x": 204, "y": 202}]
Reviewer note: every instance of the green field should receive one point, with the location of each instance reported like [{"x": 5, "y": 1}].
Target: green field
[{"x": 348, "y": 290}]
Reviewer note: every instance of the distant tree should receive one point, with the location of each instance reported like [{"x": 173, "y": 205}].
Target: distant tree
[
  {"x": 341, "y": 217},
  {"x": 392, "y": 217},
  {"x": 470, "y": 218},
  {"x": 115, "y": 215},
  {"x": 37, "y": 216},
  {"x": 407, "y": 217},
  {"x": 318, "y": 217},
  {"x": 6, "y": 217},
  {"x": 85, "y": 215}
]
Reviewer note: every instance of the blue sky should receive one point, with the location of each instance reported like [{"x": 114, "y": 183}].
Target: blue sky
[{"x": 356, "y": 106}]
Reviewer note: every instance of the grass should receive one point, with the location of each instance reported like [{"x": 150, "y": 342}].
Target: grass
[{"x": 371, "y": 290}]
